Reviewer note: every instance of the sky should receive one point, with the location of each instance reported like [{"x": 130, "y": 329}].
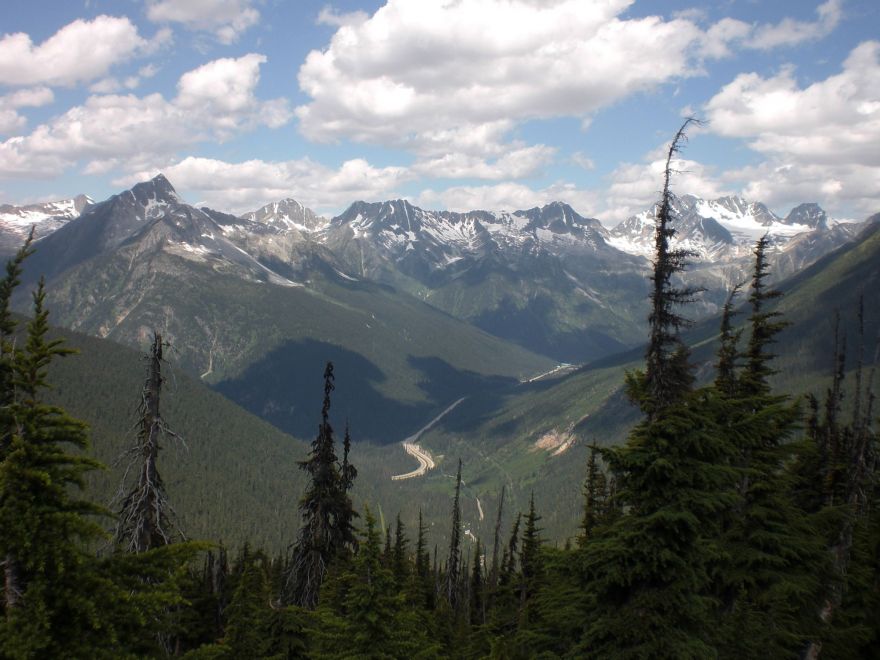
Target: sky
[{"x": 451, "y": 104}]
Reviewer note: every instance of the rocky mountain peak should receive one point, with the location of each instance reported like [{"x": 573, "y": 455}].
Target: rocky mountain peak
[
  {"x": 809, "y": 214},
  {"x": 157, "y": 190}
]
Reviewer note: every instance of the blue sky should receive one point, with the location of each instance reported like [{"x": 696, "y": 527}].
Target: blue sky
[{"x": 456, "y": 104}]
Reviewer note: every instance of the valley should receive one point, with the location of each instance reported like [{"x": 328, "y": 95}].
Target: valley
[{"x": 448, "y": 331}]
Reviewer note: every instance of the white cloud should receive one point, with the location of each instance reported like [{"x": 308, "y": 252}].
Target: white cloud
[
  {"x": 717, "y": 41},
  {"x": 508, "y": 196},
  {"x": 330, "y": 16},
  {"x": 414, "y": 75},
  {"x": 214, "y": 102},
  {"x": 518, "y": 163},
  {"x": 825, "y": 133},
  {"x": 226, "y": 19},
  {"x": 78, "y": 52},
  {"x": 790, "y": 32},
  {"x": 583, "y": 161},
  {"x": 240, "y": 187},
  {"x": 10, "y": 120},
  {"x": 633, "y": 187}
]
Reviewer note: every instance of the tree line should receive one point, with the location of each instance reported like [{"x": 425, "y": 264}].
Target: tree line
[{"x": 734, "y": 522}]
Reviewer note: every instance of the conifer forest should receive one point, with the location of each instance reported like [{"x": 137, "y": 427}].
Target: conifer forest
[{"x": 734, "y": 521}]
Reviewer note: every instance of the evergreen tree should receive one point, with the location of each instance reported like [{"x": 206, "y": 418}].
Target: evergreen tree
[
  {"x": 728, "y": 353},
  {"x": 496, "y": 545},
  {"x": 650, "y": 570},
  {"x": 530, "y": 555},
  {"x": 453, "y": 562},
  {"x": 667, "y": 375},
  {"x": 422, "y": 580},
  {"x": 838, "y": 484},
  {"x": 399, "y": 561},
  {"x": 12, "y": 572},
  {"x": 373, "y": 622},
  {"x": 773, "y": 557},
  {"x": 248, "y": 615},
  {"x": 595, "y": 496},
  {"x": 326, "y": 509}
]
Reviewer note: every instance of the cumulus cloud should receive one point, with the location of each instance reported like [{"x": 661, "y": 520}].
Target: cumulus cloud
[
  {"x": 214, "y": 102},
  {"x": 78, "y": 52},
  {"x": 329, "y": 16},
  {"x": 10, "y": 120},
  {"x": 830, "y": 126},
  {"x": 633, "y": 187},
  {"x": 244, "y": 186},
  {"x": 441, "y": 78},
  {"x": 225, "y": 19},
  {"x": 508, "y": 196},
  {"x": 518, "y": 163},
  {"x": 790, "y": 32},
  {"x": 718, "y": 40}
]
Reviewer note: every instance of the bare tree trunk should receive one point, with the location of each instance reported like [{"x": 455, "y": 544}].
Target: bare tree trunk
[
  {"x": 144, "y": 521},
  {"x": 12, "y": 586}
]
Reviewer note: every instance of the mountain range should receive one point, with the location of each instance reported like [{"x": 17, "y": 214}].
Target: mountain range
[
  {"x": 419, "y": 309},
  {"x": 548, "y": 279}
]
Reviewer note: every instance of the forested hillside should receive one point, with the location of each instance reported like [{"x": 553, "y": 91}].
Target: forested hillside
[{"x": 734, "y": 520}]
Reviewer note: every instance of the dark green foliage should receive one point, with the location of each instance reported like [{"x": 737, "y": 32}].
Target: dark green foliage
[
  {"x": 764, "y": 326},
  {"x": 667, "y": 373},
  {"x": 596, "y": 497},
  {"x": 651, "y": 569},
  {"x": 326, "y": 532},
  {"x": 373, "y": 622},
  {"x": 452, "y": 585},
  {"x": 59, "y": 599}
]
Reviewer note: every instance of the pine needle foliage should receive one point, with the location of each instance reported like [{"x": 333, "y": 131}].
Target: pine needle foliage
[{"x": 326, "y": 532}]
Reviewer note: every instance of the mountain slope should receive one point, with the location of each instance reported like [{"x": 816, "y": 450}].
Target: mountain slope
[
  {"x": 534, "y": 436},
  {"x": 16, "y": 221},
  {"x": 144, "y": 260},
  {"x": 232, "y": 477},
  {"x": 545, "y": 278}
]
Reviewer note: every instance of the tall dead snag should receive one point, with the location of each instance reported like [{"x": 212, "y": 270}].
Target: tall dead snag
[{"x": 146, "y": 518}]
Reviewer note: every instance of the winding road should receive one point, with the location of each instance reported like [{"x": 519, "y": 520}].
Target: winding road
[{"x": 423, "y": 456}]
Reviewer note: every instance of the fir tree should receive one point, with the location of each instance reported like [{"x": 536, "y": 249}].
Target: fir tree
[
  {"x": 764, "y": 326},
  {"x": 530, "y": 555},
  {"x": 326, "y": 509},
  {"x": 399, "y": 561},
  {"x": 12, "y": 572},
  {"x": 453, "y": 562},
  {"x": 769, "y": 577},
  {"x": 650, "y": 570},
  {"x": 667, "y": 374},
  {"x": 728, "y": 353},
  {"x": 595, "y": 496}
]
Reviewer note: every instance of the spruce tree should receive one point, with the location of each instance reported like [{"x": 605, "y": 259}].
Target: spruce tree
[
  {"x": 667, "y": 375},
  {"x": 453, "y": 563},
  {"x": 595, "y": 496},
  {"x": 650, "y": 570},
  {"x": 530, "y": 555},
  {"x": 768, "y": 578},
  {"x": 399, "y": 562},
  {"x": 327, "y": 513}
]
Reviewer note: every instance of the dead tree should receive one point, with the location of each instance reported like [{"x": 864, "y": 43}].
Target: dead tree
[{"x": 146, "y": 519}]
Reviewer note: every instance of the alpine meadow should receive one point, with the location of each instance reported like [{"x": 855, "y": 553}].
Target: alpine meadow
[{"x": 424, "y": 329}]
